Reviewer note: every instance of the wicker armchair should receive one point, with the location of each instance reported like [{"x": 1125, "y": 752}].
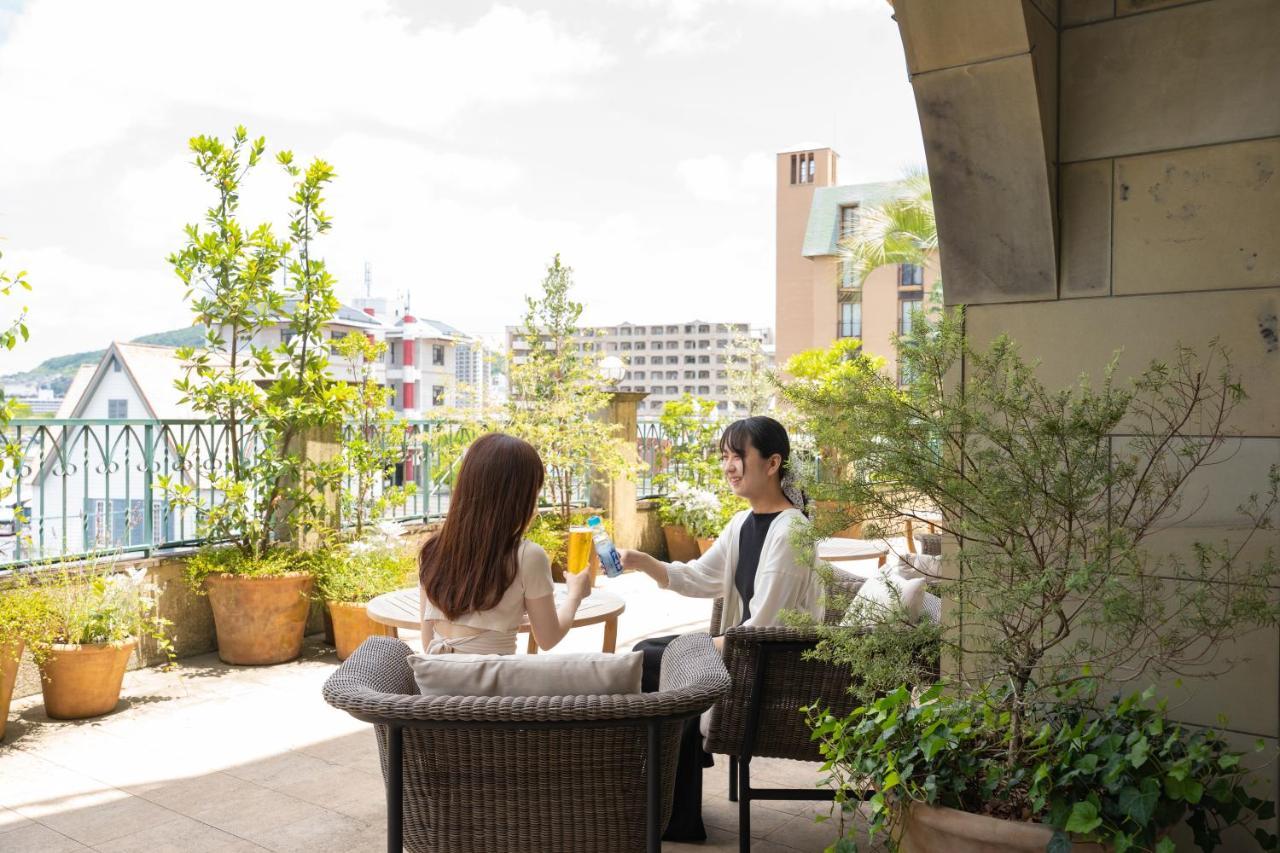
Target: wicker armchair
[
  {"x": 547, "y": 773},
  {"x": 771, "y": 681}
]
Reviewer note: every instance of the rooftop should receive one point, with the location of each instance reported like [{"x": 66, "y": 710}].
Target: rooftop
[{"x": 216, "y": 757}]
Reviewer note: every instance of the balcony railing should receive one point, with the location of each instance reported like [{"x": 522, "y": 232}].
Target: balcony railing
[{"x": 87, "y": 487}]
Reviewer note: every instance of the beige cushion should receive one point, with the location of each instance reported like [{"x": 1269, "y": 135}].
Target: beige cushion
[
  {"x": 586, "y": 674},
  {"x": 876, "y": 599},
  {"x": 927, "y": 566}
]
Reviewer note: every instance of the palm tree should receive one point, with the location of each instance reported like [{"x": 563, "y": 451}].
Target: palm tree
[{"x": 899, "y": 230}]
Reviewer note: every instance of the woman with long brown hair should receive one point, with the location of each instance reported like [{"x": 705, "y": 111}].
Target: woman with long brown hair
[{"x": 479, "y": 576}]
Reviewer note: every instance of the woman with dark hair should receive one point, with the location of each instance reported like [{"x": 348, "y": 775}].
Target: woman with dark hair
[
  {"x": 752, "y": 565},
  {"x": 479, "y": 576}
]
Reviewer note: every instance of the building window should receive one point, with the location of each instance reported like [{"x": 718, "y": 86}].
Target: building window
[
  {"x": 688, "y": 328},
  {"x": 704, "y": 330},
  {"x": 655, "y": 330},
  {"x": 673, "y": 359},
  {"x": 722, "y": 344},
  {"x": 639, "y": 374},
  {"x": 850, "y": 323},
  {"x": 391, "y": 354},
  {"x": 626, "y": 345},
  {"x": 117, "y": 408},
  {"x": 848, "y": 219},
  {"x": 704, "y": 390},
  {"x": 704, "y": 374},
  {"x": 704, "y": 344},
  {"x": 802, "y": 168},
  {"x": 639, "y": 344},
  {"x": 704, "y": 359},
  {"x": 115, "y": 365},
  {"x": 691, "y": 374},
  {"x": 437, "y": 354},
  {"x": 688, "y": 389},
  {"x": 673, "y": 374},
  {"x": 673, "y": 330},
  {"x": 673, "y": 345},
  {"x": 638, "y": 360},
  {"x": 690, "y": 359},
  {"x": 721, "y": 374},
  {"x": 910, "y": 275},
  {"x": 690, "y": 344},
  {"x": 907, "y": 307},
  {"x": 437, "y": 395},
  {"x": 671, "y": 389}
]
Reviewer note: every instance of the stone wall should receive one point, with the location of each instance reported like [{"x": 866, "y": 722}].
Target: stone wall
[{"x": 1105, "y": 177}]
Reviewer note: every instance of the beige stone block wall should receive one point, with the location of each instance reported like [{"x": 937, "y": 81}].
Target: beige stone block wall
[
  {"x": 1160, "y": 133},
  {"x": 1187, "y": 75}
]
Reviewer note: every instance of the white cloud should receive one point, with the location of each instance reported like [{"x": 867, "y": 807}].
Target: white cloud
[
  {"x": 688, "y": 39},
  {"x": 719, "y": 179},
  {"x": 110, "y": 68}
]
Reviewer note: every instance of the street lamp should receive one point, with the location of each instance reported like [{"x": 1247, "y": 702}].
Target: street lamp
[{"x": 613, "y": 369}]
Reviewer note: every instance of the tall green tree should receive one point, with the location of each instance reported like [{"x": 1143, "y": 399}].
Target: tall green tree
[
  {"x": 557, "y": 392},
  {"x": 265, "y": 397}
]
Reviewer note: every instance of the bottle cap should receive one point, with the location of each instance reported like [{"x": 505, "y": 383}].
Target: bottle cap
[{"x": 593, "y": 521}]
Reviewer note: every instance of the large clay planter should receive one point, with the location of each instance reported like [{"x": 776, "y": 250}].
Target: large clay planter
[
  {"x": 934, "y": 829},
  {"x": 352, "y": 626},
  {"x": 83, "y": 681},
  {"x": 704, "y": 545},
  {"x": 681, "y": 547},
  {"x": 259, "y": 621},
  {"x": 9, "y": 655}
]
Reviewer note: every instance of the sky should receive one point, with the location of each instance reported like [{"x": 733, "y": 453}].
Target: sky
[{"x": 472, "y": 142}]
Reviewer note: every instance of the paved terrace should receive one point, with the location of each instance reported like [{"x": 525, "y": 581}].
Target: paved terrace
[{"x": 210, "y": 757}]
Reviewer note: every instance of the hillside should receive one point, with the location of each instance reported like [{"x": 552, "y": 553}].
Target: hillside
[{"x": 57, "y": 371}]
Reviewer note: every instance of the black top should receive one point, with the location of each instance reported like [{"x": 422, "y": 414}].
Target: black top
[{"x": 750, "y": 542}]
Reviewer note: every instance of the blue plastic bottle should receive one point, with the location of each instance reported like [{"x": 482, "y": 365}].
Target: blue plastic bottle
[{"x": 609, "y": 558}]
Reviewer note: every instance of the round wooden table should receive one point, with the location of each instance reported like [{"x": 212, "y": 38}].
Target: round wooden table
[
  {"x": 836, "y": 550},
  {"x": 400, "y": 609}
]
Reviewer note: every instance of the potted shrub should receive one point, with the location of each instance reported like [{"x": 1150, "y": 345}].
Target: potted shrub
[
  {"x": 689, "y": 512},
  {"x": 1056, "y": 582},
  {"x": 22, "y": 615},
  {"x": 269, "y": 402},
  {"x": 357, "y": 572},
  {"x": 90, "y": 624}
]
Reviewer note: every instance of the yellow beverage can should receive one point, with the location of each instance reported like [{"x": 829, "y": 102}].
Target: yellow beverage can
[{"x": 580, "y": 546}]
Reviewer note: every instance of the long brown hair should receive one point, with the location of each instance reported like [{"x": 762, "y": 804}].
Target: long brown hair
[{"x": 468, "y": 566}]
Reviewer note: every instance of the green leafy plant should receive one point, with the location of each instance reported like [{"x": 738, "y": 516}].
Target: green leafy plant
[
  {"x": 751, "y": 380},
  {"x": 11, "y": 333},
  {"x": 696, "y": 494},
  {"x": 359, "y": 571},
  {"x": 269, "y": 489},
  {"x": 1058, "y": 577},
  {"x": 277, "y": 562},
  {"x": 1121, "y": 775},
  {"x": 23, "y": 613},
  {"x": 373, "y": 441},
  {"x": 97, "y": 603},
  {"x": 557, "y": 393}
]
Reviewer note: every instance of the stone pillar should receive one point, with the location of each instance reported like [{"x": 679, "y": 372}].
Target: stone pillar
[
  {"x": 618, "y": 496},
  {"x": 319, "y": 445}
]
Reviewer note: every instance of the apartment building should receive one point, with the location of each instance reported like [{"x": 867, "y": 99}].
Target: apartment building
[
  {"x": 817, "y": 301},
  {"x": 669, "y": 360}
]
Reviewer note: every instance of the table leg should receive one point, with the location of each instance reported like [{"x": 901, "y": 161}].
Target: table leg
[
  {"x": 911, "y": 538},
  {"x": 533, "y": 645},
  {"x": 611, "y": 635}
]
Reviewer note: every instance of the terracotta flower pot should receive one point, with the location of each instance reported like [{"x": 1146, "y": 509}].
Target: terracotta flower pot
[
  {"x": 935, "y": 829},
  {"x": 9, "y": 655},
  {"x": 352, "y": 626},
  {"x": 704, "y": 544},
  {"x": 83, "y": 680},
  {"x": 259, "y": 621},
  {"x": 681, "y": 547}
]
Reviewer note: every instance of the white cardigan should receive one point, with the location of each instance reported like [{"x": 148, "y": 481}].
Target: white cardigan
[{"x": 783, "y": 581}]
